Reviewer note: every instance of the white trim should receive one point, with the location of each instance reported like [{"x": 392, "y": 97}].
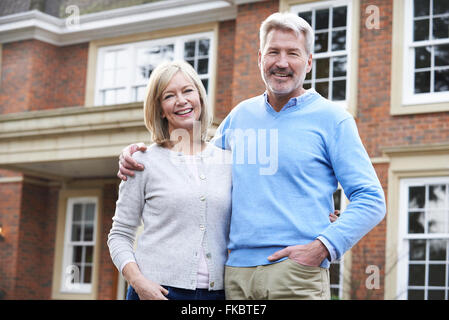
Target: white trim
[
  {"x": 132, "y": 48},
  {"x": 404, "y": 236},
  {"x": 408, "y": 67},
  {"x": 113, "y": 23},
  {"x": 66, "y": 262}
]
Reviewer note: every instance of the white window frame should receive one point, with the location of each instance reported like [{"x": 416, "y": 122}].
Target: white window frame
[
  {"x": 325, "y": 5},
  {"x": 132, "y": 48},
  {"x": 404, "y": 236},
  {"x": 68, "y": 251},
  {"x": 408, "y": 68}
]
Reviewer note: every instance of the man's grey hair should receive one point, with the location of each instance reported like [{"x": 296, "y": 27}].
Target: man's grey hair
[{"x": 287, "y": 21}]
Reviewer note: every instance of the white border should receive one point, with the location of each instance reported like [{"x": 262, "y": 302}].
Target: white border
[
  {"x": 408, "y": 67},
  {"x": 403, "y": 236},
  {"x": 66, "y": 261}
]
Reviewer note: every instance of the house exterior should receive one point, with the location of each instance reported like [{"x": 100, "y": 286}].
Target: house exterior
[{"x": 71, "y": 87}]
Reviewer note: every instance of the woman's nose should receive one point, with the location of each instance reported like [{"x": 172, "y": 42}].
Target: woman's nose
[{"x": 180, "y": 99}]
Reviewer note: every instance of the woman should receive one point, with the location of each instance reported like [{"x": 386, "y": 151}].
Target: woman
[{"x": 183, "y": 198}]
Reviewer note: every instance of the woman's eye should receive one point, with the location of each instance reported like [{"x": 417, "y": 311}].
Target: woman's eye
[{"x": 167, "y": 96}]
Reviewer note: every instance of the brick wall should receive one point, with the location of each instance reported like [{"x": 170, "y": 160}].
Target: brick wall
[
  {"x": 225, "y": 68},
  {"x": 35, "y": 254},
  {"x": 246, "y": 76},
  {"x": 39, "y": 76},
  {"x": 108, "y": 275},
  {"x": 11, "y": 194}
]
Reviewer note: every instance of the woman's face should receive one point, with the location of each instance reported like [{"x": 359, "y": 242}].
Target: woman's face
[{"x": 181, "y": 104}]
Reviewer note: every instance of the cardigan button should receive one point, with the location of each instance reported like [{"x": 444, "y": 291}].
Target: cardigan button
[
  {"x": 202, "y": 198},
  {"x": 212, "y": 284},
  {"x": 202, "y": 177}
]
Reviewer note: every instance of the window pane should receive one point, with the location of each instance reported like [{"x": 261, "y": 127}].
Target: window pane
[
  {"x": 421, "y": 30},
  {"x": 88, "y": 232},
  {"x": 192, "y": 62},
  {"x": 90, "y": 212},
  {"x": 339, "y": 66},
  {"x": 322, "y": 88},
  {"x": 76, "y": 232},
  {"x": 437, "y": 250},
  {"x": 416, "y": 273},
  {"x": 321, "y": 42},
  {"x": 307, "y": 86},
  {"x": 339, "y": 90},
  {"x": 422, "y": 57},
  {"x": 334, "y": 273},
  {"x": 204, "y": 47},
  {"x": 337, "y": 200},
  {"x": 435, "y": 295},
  {"x": 417, "y": 250},
  {"x": 121, "y": 76},
  {"x": 122, "y": 59},
  {"x": 108, "y": 96},
  {"x": 440, "y": 6},
  {"x": 416, "y": 222},
  {"x": 421, "y": 8},
  {"x": 437, "y": 275},
  {"x": 77, "y": 209},
  {"x": 415, "y": 295},
  {"x": 87, "y": 274},
  {"x": 322, "y": 19},
  {"x": 89, "y": 254},
  {"x": 108, "y": 78},
  {"x": 121, "y": 96},
  {"x": 322, "y": 68},
  {"x": 306, "y": 16},
  {"x": 440, "y": 28},
  {"x": 189, "y": 49},
  {"x": 441, "y": 55},
  {"x": 442, "y": 80},
  {"x": 416, "y": 197},
  {"x": 339, "y": 40},
  {"x": 203, "y": 65},
  {"x": 109, "y": 60},
  {"x": 205, "y": 84},
  {"x": 422, "y": 82},
  {"x": 150, "y": 57},
  {"x": 77, "y": 254},
  {"x": 339, "y": 17}
]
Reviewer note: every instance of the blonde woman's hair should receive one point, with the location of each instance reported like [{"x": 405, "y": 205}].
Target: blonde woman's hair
[
  {"x": 159, "y": 79},
  {"x": 286, "y": 21}
]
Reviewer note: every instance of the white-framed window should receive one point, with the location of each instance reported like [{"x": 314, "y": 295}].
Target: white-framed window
[
  {"x": 336, "y": 269},
  {"x": 426, "y": 43},
  {"x": 123, "y": 70},
  {"x": 331, "y": 22},
  {"x": 424, "y": 239},
  {"x": 79, "y": 245}
]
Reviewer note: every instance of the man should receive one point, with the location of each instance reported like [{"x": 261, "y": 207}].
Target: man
[{"x": 281, "y": 241}]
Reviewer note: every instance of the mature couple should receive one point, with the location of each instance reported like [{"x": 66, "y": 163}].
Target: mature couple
[{"x": 280, "y": 239}]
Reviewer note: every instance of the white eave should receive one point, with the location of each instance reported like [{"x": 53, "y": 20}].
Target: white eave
[{"x": 112, "y": 23}]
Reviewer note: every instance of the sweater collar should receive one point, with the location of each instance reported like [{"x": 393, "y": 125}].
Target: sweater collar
[{"x": 294, "y": 103}]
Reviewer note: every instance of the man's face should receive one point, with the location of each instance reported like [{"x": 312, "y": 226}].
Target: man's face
[{"x": 284, "y": 63}]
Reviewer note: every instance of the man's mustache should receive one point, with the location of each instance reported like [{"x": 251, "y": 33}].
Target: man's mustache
[{"x": 283, "y": 71}]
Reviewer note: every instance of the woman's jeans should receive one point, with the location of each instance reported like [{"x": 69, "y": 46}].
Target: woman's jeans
[{"x": 183, "y": 294}]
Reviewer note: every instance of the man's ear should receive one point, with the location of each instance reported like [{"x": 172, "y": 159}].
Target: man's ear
[{"x": 309, "y": 63}]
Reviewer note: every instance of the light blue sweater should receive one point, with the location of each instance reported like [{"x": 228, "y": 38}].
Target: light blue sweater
[{"x": 286, "y": 167}]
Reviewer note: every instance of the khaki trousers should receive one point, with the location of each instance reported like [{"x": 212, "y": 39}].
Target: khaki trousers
[{"x": 285, "y": 280}]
